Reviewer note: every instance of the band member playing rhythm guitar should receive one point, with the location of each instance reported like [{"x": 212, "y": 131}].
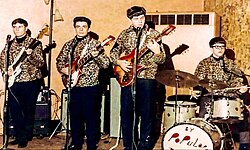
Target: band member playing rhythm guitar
[
  {"x": 138, "y": 35},
  {"x": 126, "y": 78},
  {"x": 22, "y": 95},
  {"x": 85, "y": 104}
]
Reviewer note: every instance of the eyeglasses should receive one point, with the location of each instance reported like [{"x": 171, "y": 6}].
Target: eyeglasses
[{"x": 216, "y": 46}]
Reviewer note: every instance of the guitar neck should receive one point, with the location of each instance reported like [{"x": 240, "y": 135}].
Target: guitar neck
[{"x": 145, "y": 49}]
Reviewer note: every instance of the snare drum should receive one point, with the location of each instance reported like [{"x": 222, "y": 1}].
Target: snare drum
[
  {"x": 196, "y": 133},
  {"x": 185, "y": 111},
  {"x": 226, "y": 109}
]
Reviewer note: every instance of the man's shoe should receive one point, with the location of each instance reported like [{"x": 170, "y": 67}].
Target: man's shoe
[
  {"x": 73, "y": 147},
  {"x": 22, "y": 144},
  {"x": 15, "y": 142}
]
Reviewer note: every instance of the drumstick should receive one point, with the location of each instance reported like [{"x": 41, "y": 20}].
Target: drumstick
[{"x": 234, "y": 88}]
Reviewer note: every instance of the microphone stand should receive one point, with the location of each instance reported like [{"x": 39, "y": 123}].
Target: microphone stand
[
  {"x": 70, "y": 55},
  {"x": 5, "y": 108},
  {"x": 138, "y": 35}
]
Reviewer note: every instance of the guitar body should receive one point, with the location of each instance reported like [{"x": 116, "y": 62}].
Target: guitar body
[
  {"x": 126, "y": 78},
  {"x": 12, "y": 78},
  {"x": 74, "y": 78},
  {"x": 75, "y": 73}
]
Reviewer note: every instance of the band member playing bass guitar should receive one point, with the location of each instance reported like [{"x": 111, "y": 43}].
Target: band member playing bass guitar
[
  {"x": 24, "y": 80},
  {"x": 85, "y": 105},
  {"x": 138, "y": 34}
]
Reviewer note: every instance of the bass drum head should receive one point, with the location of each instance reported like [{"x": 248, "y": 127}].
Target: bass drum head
[{"x": 195, "y": 134}]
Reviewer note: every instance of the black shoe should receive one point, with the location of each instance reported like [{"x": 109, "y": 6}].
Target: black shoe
[
  {"x": 15, "y": 142},
  {"x": 22, "y": 144},
  {"x": 73, "y": 147}
]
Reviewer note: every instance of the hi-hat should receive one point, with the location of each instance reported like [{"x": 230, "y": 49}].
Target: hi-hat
[
  {"x": 177, "y": 77},
  {"x": 212, "y": 84}
]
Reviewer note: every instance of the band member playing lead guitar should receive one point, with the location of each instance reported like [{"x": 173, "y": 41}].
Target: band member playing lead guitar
[
  {"x": 143, "y": 107},
  {"x": 23, "y": 93},
  {"x": 85, "y": 104}
]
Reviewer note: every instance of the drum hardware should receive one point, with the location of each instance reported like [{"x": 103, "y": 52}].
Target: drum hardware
[{"x": 177, "y": 79}]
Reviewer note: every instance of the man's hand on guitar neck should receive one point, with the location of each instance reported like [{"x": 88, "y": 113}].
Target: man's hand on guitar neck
[
  {"x": 125, "y": 65},
  {"x": 154, "y": 46}
]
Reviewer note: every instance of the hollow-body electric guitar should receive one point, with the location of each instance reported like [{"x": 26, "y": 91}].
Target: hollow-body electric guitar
[
  {"x": 76, "y": 70},
  {"x": 127, "y": 78}
]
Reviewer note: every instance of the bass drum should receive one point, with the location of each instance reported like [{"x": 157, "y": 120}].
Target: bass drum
[{"x": 195, "y": 133}]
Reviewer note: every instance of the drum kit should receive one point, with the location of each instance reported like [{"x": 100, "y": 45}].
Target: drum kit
[{"x": 182, "y": 129}]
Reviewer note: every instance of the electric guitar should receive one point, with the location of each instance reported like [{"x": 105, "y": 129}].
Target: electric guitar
[
  {"x": 127, "y": 78},
  {"x": 76, "y": 70},
  {"x": 16, "y": 65}
]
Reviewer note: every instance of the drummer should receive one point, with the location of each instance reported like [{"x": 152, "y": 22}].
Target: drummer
[{"x": 219, "y": 72}]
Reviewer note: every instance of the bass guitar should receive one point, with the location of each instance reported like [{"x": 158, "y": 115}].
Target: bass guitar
[
  {"x": 127, "y": 78},
  {"x": 16, "y": 65},
  {"x": 76, "y": 68}
]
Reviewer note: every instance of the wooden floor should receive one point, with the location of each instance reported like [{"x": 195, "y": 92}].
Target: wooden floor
[{"x": 57, "y": 142}]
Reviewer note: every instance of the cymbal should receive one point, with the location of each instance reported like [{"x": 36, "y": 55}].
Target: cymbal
[
  {"x": 212, "y": 84},
  {"x": 174, "y": 77}
]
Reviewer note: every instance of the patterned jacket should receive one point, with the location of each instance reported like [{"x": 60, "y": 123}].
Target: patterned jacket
[
  {"x": 127, "y": 41},
  {"x": 30, "y": 66},
  {"x": 90, "y": 70}
]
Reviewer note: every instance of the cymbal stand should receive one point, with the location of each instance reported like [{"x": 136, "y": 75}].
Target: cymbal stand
[{"x": 177, "y": 80}]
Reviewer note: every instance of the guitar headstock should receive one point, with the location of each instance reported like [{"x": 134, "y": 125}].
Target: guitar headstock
[
  {"x": 108, "y": 40},
  {"x": 43, "y": 32},
  {"x": 167, "y": 30},
  {"x": 180, "y": 49}
]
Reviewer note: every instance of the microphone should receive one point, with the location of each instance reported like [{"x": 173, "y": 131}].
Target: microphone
[
  {"x": 8, "y": 38},
  {"x": 138, "y": 30},
  {"x": 229, "y": 69}
]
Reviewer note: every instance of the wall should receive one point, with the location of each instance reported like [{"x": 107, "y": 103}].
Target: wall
[
  {"x": 235, "y": 27},
  {"x": 108, "y": 17}
]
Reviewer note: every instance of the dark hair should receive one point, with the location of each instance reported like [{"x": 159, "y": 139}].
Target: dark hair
[
  {"x": 94, "y": 35},
  {"x": 135, "y": 11},
  {"x": 82, "y": 19},
  {"x": 216, "y": 40},
  {"x": 21, "y": 21}
]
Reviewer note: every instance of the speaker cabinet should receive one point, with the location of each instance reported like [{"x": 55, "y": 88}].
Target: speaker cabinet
[
  {"x": 64, "y": 108},
  {"x": 115, "y": 91}
]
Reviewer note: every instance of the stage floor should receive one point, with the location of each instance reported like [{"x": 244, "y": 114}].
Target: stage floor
[{"x": 57, "y": 142}]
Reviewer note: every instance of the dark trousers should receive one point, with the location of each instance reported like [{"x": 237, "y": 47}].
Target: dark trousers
[
  {"x": 143, "y": 107},
  {"x": 85, "y": 111},
  {"x": 22, "y": 99}
]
